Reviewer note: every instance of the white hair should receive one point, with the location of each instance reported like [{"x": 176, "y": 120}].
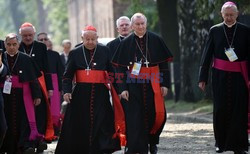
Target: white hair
[
  {"x": 138, "y": 15},
  {"x": 229, "y": 5},
  {"x": 66, "y": 41},
  {"x": 33, "y": 27},
  {"x": 121, "y": 18}
]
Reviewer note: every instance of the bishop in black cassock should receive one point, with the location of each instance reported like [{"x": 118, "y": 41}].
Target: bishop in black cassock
[
  {"x": 22, "y": 132},
  {"x": 229, "y": 80},
  {"x": 56, "y": 70},
  {"x": 3, "y": 73}
]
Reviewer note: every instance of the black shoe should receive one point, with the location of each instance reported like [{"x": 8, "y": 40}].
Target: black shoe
[
  {"x": 125, "y": 150},
  {"x": 218, "y": 150},
  {"x": 29, "y": 150},
  {"x": 153, "y": 149},
  {"x": 41, "y": 147},
  {"x": 240, "y": 152}
]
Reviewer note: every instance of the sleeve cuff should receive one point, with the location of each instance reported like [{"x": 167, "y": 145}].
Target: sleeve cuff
[{"x": 1, "y": 68}]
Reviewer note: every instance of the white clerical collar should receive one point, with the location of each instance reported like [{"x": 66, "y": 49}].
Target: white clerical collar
[
  {"x": 65, "y": 54},
  {"x": 139, "y": 35},
  {"x": 229, "y": 26},
  {"x": 12, "y": 55},
  {"x": 122, "y": 36}
]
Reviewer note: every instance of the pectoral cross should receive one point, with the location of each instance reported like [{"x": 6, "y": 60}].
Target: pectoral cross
[
  {"x": 87, "y": 69},
  {"x": 146, "y": 63}
]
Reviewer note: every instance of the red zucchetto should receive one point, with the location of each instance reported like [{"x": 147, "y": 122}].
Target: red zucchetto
[
  {"x": 90, "y": 28},
  {"x": 26, "y": 24}
]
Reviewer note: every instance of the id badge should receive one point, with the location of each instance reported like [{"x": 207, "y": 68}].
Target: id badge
[
  {"x": 136, "y": 68},
  {"x": 7, "y": 87},
  {"x": 231, "y": 55}
]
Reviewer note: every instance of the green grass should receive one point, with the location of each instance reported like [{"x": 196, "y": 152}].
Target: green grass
[{"x": 181, "y": 106}]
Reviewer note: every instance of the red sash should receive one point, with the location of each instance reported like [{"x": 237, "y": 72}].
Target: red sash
[
  {"x": 98, "y": 76},
  {"x": 235, "y": 67},
  {"x": 153, "y": 74},
  {"x": 29, "y": 106},
  {"x": 49, "y": 134}
]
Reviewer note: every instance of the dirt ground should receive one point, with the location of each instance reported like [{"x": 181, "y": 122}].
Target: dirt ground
[{"x": 182, "y": 136}]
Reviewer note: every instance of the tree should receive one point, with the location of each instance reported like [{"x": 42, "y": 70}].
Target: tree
[
  {"x": 148, "y": 8},
  {"x": 167, "y": 11},
  {"x": 16, "y": 13},
  {"x": 195, "y": 19},
  {"x": 42, "y": 13},
  {"x": 57, "y": 19}
]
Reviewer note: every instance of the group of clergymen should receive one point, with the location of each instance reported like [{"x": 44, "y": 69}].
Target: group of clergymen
[
  {"x": 34, "y": 78},
  {"x": 115, "y": 93}
]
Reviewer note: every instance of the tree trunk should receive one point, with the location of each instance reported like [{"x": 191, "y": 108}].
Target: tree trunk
[
  {"x": 169, "y": 29},
  {"x": 194, "y": 31},
  {"x": 16, "y": 14},
  {"x": 42, "y": 17},
  {"x": 189, "y": 54}
]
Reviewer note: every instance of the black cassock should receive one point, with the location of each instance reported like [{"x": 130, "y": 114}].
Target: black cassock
[
  {"x": 229, "y": 88},
  {"x": 140, "y": 114},
  {"x": 89, "y": 119},
  {"x": 38, "y": 52},
  {"x": 113, "y": 45},
  {"x": 56, "y": 70},
  {"x": 2, "y": 45},
  {"x": 3, "y": 125},
  {"x": 17, "y": 136},
  {"x": 56, "y": 66}
]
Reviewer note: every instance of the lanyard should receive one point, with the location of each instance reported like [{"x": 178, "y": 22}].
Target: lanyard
[
  {"x": 11, "y": 70},
  {"x": 230, "y": 45},
  {"x": 30, "y": 50},
  {"x": 145, "y": 57}
]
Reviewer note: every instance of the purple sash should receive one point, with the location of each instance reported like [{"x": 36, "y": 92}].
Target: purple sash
[
  {"x": 235, "y": 67},
  {"x": 29, "y": 106},
  {"x": 55, "y": 101}
]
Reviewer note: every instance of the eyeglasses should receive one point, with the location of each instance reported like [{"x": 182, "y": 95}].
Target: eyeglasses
[{"x": 43, "y": 39}]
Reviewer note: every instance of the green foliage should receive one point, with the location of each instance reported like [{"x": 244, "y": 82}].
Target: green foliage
[
  {"x": 5, "y": 26},
  {"x": 29, "y": 8},
  {"x": 58, "y": 19},
  {"x": 147, "y": 7},
  {"x": 210, "y": 10}
]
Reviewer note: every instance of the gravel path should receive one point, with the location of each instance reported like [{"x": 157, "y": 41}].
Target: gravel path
[{"x": 183, "y": 134}]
